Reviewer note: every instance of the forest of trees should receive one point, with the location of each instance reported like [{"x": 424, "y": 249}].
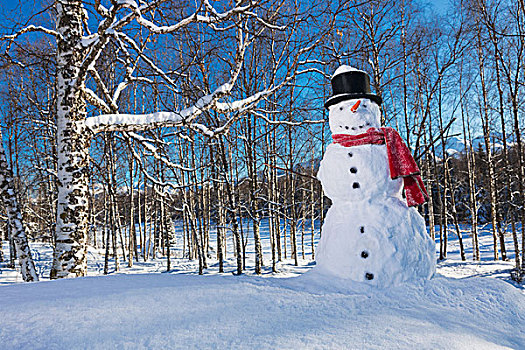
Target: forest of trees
[{"x": 121, "y": 119}]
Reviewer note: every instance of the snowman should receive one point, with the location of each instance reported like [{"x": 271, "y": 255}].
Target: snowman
[{"x": 371, "y": 233}]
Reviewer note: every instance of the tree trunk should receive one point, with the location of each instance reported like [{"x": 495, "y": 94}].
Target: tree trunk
[
  {"x": 303, "y": 220},
  {"x": 455, "y": 217},
  {"x": 472, "y": 184},
  {"x": 508, "y": 183},
  {"x": 446, "y": 184},
  {"x": 15, "y": 221},
  {"x": 312, "y": 202},
  {"x": 429, "y": 185},
  {"x": 275, "y": 195},
  {"x": 106, "y": 234},
  {"x": 221, "y": 226},
  {"x": 1, "y": 249},
  {"x": 147, "y": 241},
  {"x": 293, "y": 221},
  {"x": 111, "y": 218},
  {"x": 139, "y": 219},
  {"x": 486, "y": 136},
  {"x": 12, "y": 249},
  {"x": 232, "y": 205},
  {"x": 132, "y": 233},
  {"x": 70, "y": 254},
  {"x": 440, "y": 201},
  {"x": 271, "y": 195}
]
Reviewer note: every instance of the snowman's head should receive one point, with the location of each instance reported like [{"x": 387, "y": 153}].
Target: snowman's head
[
  {"x": 355, "y": 116},
  {"x": 353, "y": 108}
]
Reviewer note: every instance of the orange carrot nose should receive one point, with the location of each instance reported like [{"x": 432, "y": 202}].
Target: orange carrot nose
[{"x": 356, "y": 106}]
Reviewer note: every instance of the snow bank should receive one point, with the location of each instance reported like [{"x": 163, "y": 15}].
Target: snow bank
[{"x": 310, "y": 311}]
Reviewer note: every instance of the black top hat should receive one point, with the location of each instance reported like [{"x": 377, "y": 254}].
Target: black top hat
[{"x": 349, "y": 85}]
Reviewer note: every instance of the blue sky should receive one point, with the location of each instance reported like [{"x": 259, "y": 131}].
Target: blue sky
[{"x": 440, "y": 5}]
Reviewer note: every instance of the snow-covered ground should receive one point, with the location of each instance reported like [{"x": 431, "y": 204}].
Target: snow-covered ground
[
  {"x": 43, "y": 254},
  {"x": 468, "y": 305}
]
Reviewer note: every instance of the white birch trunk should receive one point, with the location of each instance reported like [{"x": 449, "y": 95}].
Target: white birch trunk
[
  {"x": 18, "y": 232},
  {"x": 1, "y": 249},
  {"x": 69, "y": 258}
]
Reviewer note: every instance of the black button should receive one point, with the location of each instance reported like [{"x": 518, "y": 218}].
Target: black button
[
  {"x": 353, "y": 170},
  {"x": 369, "y": 276},
  {"x": 355, "y": 185},
  {"x": 362, "y": 229},
  {"x": 364, "y": 254},
  {"x": 350, "y": 154}
]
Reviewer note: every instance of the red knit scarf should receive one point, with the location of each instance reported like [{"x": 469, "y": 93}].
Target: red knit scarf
[{"x": 400, "y": 161}]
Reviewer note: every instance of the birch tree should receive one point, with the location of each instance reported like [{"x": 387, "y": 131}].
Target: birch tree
[{"x": 16, "y": 224}]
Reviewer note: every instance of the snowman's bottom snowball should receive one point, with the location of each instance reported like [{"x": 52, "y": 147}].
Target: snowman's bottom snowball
[{"x": 381, "y": 243}]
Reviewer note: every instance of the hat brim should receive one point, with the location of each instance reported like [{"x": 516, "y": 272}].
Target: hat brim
[{"x": 343, "y": 97}]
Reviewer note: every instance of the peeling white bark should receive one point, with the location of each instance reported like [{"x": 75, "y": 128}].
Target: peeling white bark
[
  {"x": 14, "y": 215},
  {"x": 69, "y": 258}
]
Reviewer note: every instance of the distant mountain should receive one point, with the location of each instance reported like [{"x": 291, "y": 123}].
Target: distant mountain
[{"x": 455, "y": 145}]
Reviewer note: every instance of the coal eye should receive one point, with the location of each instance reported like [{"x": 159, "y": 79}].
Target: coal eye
[
  {"x": 364, "y": 106},
  {"x": 340, "y": 108}
]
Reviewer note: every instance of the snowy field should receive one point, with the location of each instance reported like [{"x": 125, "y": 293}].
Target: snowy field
[{"x": 467, "y": 305}]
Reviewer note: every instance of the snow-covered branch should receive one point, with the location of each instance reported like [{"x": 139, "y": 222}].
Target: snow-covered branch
[
  {"x": 10, "y": 39},
  {"x": 214, "y": 16},
  {"x": 139, "y": 122},
  {"x": 31, "y": 29},
  {"x": 94, "y": 100},
  {"x": 136, "y": 122}
]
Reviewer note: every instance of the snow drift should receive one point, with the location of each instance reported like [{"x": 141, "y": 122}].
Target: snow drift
[{"x": 310, "y": 311}]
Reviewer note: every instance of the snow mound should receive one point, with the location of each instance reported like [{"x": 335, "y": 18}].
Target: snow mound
[{"x": 310, "y": 311}]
